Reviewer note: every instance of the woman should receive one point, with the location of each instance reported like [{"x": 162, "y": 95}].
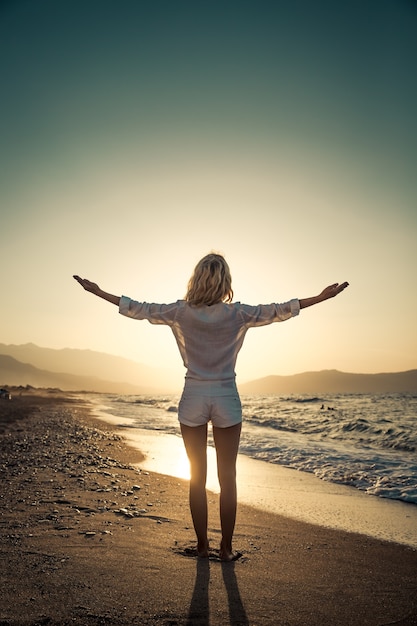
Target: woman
[{"x": 210, "y": 330}]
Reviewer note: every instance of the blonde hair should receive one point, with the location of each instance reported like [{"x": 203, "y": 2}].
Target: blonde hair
[{"x": 211, "y": 282}]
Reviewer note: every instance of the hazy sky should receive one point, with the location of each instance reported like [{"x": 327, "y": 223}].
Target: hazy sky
[{"x": 136, "y": 137}]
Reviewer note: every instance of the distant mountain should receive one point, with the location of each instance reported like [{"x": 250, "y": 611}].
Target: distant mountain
[
  {"x": 333, "y": 381},
  {"x": 92, "y": 364},
  {"x": 15, "y": 373},
  {"x": 71, "y": 369}
]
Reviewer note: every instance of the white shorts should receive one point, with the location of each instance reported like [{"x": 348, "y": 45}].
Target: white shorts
[{"x": 218, "y": 402}]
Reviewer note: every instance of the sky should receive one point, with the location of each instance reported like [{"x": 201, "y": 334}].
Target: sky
[{"x": 136, "y": 137}]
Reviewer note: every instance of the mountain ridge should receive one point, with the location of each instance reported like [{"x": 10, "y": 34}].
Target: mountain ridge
[
  {"x": 87, "y": 370},
  {"x": 13, "y": 373},
  {"x": 90, "y": 363},
  {"x": 333, "y": 381}
]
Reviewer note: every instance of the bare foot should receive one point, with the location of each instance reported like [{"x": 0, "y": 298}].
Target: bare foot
[
  {"x": 227, "y": 555},
  {"x": 203, "y": 551}
]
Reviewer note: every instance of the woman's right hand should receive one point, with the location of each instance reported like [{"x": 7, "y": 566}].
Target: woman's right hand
[{"x": 87, "y": 285}]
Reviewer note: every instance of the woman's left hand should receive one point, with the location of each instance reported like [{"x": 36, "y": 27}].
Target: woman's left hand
[{"x": 333, "y": 290}]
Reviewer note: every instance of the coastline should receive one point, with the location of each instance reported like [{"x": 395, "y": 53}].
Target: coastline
[
  {"x": 282, "y": 491},
  {"x": 89, "y": 538}
]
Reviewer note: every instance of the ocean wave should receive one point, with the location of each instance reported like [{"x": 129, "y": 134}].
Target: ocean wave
[
  {"x": 276, "y": 425},
  {"x": 361, "y": 440}
]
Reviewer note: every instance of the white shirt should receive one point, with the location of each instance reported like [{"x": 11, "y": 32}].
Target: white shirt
[{"x": 209, "y": 337}]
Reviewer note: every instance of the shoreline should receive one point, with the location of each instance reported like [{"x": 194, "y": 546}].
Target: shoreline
[
  {"x": 88, "y": 538},
  {"x": 280, "y": 490}
]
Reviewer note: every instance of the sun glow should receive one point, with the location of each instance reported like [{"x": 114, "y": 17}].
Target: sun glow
[
  {"x": 166, "y": 455},
  {"x": 180, "y": 465}
]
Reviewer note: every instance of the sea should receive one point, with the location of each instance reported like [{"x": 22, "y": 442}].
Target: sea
[{"x": 365, "y": 441}]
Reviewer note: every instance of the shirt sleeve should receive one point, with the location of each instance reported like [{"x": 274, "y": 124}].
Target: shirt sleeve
[
  {"x": 154, "y": 313},
  {"x": 264, "y": 314}
]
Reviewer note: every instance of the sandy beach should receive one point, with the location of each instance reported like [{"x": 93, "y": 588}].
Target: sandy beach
[
  {"x": 89, "y": 535},
  {"x": 276, "y": 489}
]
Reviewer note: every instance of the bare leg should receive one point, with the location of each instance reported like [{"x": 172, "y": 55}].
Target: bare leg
[
  {"x": 227, "y": 445},
  {"x": 195, "y": 441}
]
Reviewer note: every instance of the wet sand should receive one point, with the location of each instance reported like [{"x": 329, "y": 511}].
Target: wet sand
[
  {"x": 284, "y": 491},
  {"x": 89, "y": 538}
]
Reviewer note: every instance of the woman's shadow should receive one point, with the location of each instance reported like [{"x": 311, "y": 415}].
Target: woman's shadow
[
  {"x": 237, "y": 613},
  {"x": 199, "y": 611}
]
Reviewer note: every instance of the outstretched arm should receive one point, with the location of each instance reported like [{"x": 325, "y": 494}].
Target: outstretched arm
[
  {"x": 95, "y": 289},
  {"x": 329, "y": 292}
]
